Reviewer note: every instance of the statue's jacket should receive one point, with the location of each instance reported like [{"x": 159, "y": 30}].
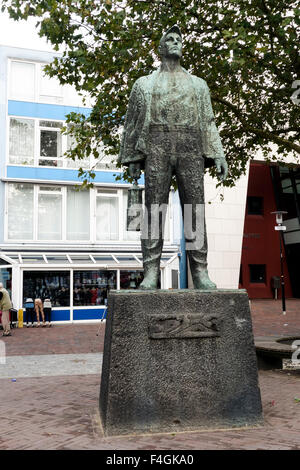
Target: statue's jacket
[{"x": 135, "y": 138}]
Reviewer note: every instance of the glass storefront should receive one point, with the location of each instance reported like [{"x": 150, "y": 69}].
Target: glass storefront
[
  {"x": 77, "y": 283},
  {"x": 48, "y": 284},
  {"x": 92, "y": 287},
  {"x": 5, "y": 278},
  {"x": 130, "y": 279}
]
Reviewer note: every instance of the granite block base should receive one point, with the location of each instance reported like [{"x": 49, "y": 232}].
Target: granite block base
[{"x": 178, "y": 361}]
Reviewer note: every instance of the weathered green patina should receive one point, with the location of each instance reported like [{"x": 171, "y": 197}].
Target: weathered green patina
[{"x": 170, "y": 130}]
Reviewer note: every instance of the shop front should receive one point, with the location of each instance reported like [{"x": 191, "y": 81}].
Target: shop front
[{"x": 78, "y": 284}]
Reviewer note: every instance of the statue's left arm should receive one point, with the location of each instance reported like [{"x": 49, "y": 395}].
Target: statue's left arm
[{"x": 212, "y": 145}]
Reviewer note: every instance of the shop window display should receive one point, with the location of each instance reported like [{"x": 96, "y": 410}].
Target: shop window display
[
  {"x": 48, "y": 284},
  {"x": 92, "y": 287},
  {"x": 130, "y": 279}
]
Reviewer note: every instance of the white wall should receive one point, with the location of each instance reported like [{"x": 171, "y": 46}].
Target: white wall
[{"x": 225, "y": 227}]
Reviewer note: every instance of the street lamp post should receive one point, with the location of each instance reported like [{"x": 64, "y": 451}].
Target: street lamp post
[{"x": 280, "y": 228}]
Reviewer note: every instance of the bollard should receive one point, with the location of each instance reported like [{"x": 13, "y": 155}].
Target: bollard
[{"x": 20, "y": 318}]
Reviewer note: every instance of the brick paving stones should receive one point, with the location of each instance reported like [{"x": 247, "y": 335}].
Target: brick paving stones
[{"x": 61, "y": 412}]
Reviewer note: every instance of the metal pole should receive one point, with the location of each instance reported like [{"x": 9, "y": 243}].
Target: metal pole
[{"x": 282, "y": 275}]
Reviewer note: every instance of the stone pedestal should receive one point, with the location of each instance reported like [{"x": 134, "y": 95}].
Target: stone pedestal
[{"x": 177, "y": 361}]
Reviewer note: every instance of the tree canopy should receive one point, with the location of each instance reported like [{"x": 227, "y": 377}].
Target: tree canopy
[{"x": 247, "y": 51}]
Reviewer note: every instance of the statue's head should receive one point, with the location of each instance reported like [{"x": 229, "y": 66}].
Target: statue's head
[{"x": 170, "y": 44}]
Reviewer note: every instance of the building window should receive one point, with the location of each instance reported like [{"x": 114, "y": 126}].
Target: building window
[
  {"x": 92, "y": 287},
  {"x": 28, "y": 82},
  {"x": 128, "y": 235},
  {"x": 50, "y": 213},
  {"x": 20, "y": 211},
  {"x": 41, "y": 143},
  {"x": 22, "y": 81},
  {"x": 59, "y": 213},
  {"x": 107, "y": 215},
  {"x": 130, "y": 279},
  {"x": 50, "y": 143},
  {"x": 174, "y": 273},
  {"x": 78, "y": 214},
  {"x": 257, "y": 273},
  {"x": 45, "y": 284},
  {"x": 77, "y": 163},
  {"x": 50, "y": 89},
  {"x": 255, "y": 205},
  {"x": 21, "y": 141}
]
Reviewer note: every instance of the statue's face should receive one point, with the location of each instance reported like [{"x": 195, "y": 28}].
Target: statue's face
[{"x": 172, "y": 46}]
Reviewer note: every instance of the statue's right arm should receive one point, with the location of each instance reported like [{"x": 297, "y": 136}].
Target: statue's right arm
[{"x": 132, "y": 127}]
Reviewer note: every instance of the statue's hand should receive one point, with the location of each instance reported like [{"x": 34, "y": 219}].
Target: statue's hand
[
  {"x": 134, "y": 170},
  {"x": 222, "y": 168}
]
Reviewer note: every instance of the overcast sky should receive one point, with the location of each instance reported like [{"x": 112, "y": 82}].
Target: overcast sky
[{"x": 21, "y": 34}]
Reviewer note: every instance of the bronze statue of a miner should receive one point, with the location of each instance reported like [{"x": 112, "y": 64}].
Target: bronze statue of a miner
[{"x": 170, "y": 130}]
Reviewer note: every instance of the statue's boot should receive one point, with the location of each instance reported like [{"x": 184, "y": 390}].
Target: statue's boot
[
  {"x": 201, "y": 280},
  {"x": 151, "y": 276}
]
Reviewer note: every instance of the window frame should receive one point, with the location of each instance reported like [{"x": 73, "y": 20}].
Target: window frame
[
  {"x": 93, "y": 192},
  {"x": 38, "y": 67},
  {"x": 9, "y": 118},
  {"x": 63, "y": 144},
  {"x": 6, "y": 196},
  {"x": 262, "y": 204},
  {"x": 57, "y": 190},
  {"x": 265, "y": 273},
  {"x": 66, "y": 162},
  {"x": 109, "y": 193}
]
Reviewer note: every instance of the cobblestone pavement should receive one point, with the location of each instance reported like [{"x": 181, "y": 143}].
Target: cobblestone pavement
[
  {"x": 268, "y": 320},
  {"x": 61, "y": 412}
]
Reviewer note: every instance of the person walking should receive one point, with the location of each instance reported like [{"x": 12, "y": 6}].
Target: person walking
[{"x": 5, "y": 306}]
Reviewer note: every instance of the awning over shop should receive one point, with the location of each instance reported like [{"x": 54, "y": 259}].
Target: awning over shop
[{"x": 72, "y": 260}]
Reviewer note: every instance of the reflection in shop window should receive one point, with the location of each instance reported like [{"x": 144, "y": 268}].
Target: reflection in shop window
[
  {"x": 92, "y": 287},
  {"x": 130, "y": 279},
  {"x": 48, "y": 284}
]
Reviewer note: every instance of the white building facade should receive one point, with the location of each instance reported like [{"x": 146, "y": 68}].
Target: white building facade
[
  {"x": 56, "y": 240},
  {"x": 72, "y": 244}
]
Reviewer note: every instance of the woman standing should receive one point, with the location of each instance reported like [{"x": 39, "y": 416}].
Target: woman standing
[{"x": 5, "y": 306}]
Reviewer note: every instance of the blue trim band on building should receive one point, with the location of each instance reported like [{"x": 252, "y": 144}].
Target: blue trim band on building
[
  {"x": 55, "y": 174},
  {"x": 60, "y": 315},
  {"x": 61, "y": 174},
  {"x": 89, "y": 314},
  {"x": 43, "y": 110}
]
